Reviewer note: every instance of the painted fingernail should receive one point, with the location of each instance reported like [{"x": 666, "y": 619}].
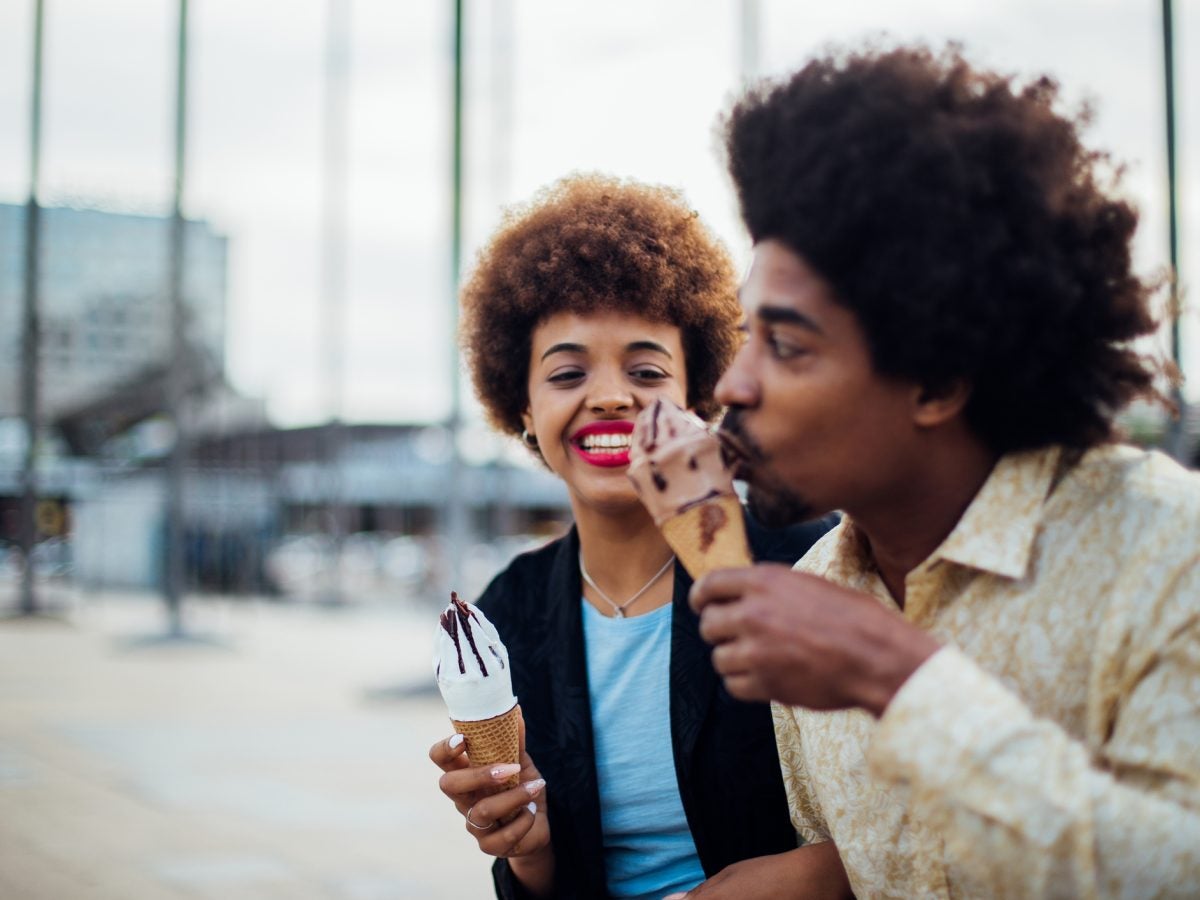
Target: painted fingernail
[
  {"x": 508, "y": 770},
  {"x": 455, "y": 741},
  {"x": 534, "y": 787},
  {"x": 532, "y": 807}
]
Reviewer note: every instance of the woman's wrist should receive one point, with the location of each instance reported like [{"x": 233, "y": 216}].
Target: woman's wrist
[{"x": 535, "y": 871}]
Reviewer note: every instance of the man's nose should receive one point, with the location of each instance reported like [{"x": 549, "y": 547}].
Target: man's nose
[{"x": 738, "y": 386}]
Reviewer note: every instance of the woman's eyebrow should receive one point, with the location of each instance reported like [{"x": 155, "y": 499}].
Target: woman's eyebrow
[
  {"x": 653, "y": 346},
  {"x": 565, "y": 348}
]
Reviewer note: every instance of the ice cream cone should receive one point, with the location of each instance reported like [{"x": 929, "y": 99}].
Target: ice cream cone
[
  {"x": 494, "y": 741},
  {"x": 709, "y": 535},
  {"x": 675, "y": 463}
]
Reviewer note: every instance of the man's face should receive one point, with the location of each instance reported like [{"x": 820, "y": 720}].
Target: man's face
[{"x": 820, "y": 428}]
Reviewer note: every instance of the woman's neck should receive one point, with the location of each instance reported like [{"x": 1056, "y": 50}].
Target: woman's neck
[{"x": 622, "y": 553}]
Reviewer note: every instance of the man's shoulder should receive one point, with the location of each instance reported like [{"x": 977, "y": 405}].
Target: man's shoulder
[{"x": 1144, "y": 487}]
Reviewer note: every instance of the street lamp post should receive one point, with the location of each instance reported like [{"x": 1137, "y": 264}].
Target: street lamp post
[
  {"x": 455, "y": 525},
  {"x": 1175, "y": 430},
  {"x": 173, "y": 580},
  {"x": 31, "y": 329}
]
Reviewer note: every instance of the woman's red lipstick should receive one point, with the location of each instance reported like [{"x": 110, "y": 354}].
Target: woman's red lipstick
[{"x": 605, "y": 444}]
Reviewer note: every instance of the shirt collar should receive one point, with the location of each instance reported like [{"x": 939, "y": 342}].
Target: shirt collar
[{"x": 997, "y": 532}]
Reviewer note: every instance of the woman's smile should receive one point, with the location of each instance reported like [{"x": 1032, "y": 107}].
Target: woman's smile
[{"x": 604, "y": 443}]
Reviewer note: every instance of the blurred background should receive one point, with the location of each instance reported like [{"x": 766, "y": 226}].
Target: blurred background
[{"x": 240, "y": 469}]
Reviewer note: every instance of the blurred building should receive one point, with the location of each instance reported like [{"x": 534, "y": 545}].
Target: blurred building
[
  {"x": 103, "y": 301},
  {"x": 351, "y": 510},
  {"x": 270, "y": 510}
]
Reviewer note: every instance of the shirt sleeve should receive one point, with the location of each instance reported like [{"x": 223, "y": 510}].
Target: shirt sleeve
[
  {"x": 806, "y": 817},
  {"x": 1021, "y": 803}
]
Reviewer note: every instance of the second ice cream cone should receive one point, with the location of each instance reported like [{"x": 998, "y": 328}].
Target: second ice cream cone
[
  {"x": 494, "y": 741},
  {"x": 709, "y": 536}
]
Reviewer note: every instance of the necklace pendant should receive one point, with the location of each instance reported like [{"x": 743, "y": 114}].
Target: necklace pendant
[{"x": 619, "y": 614}]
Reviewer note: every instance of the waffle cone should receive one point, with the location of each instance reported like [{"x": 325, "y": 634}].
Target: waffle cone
[
  {"x": 494, "y": 741},
  {"x": 709, "y": 536}
]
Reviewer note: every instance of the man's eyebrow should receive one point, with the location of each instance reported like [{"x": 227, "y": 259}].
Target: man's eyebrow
[
  {"x": 565, "y": 348},
  {"x": 785, "y": 315},
  {"x": 653, "y": 346}
]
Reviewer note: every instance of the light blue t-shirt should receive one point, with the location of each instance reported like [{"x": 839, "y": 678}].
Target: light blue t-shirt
[{"x": 648, "y": 847}]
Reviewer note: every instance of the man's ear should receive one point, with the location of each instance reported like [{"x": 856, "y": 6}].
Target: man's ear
[{"x": 937, "y": 404}]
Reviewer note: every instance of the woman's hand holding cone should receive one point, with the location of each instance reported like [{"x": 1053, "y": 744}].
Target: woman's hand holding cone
[{"x": 510, "y": 823}]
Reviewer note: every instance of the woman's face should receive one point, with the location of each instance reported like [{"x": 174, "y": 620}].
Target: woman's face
[{"x": 589, "y": 377}]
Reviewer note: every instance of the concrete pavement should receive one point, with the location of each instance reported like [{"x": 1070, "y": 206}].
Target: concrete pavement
[{"x": 263, "y": 766}]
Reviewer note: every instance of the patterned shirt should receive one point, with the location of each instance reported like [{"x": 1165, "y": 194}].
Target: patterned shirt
[{"x": 1051, "y": 748}]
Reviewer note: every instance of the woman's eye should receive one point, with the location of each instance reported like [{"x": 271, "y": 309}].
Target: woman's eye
[
  {"x": 648, "y": 374},
  {"x": 565, "y": 377}
]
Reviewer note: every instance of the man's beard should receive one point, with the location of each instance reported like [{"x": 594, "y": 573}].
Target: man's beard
[{"x": 771, "y": 501}]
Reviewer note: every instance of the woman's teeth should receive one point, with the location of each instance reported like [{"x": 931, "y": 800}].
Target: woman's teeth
[{"x": 606, "y": 443}]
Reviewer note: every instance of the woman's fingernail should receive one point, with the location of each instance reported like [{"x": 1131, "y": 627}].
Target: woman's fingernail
[
  {"x": 532, "y": 807},
  {"x": 455, "y": 741},
  {"x": 508, "y": 770},
  {"x": 534, "y": 787}
]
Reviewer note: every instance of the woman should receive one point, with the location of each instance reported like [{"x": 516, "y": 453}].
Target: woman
[{"x": 645, "y": 776}]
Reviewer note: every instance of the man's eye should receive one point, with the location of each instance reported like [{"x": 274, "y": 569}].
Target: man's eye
[{"x": 784, "y": 349}]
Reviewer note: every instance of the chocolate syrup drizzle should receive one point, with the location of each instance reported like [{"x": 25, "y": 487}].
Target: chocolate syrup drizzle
[
  {"x": 458, "y": 618},
  {"x": 657, "y": 477},
  {"x": 653, "y": 442}
]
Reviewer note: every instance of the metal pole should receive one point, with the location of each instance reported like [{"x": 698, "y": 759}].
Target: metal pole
[
  {"x": 173, "y": 582},
  {"x": 31, "y": 331},
  {"x": 501, "y": 100},
  {"x": 455, "y": 531},
  {"x": 750, "y": 31},
  {"x": 500, "y": 145},
  {"x": 333, "y": 276},
  {"x": 1175, "y": 430}
]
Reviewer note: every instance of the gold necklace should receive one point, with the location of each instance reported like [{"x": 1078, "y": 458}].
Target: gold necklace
[{"x": 619, "y": 609}]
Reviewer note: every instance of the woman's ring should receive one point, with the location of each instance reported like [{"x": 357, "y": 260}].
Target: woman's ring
[{"x": 476, "y": 825}]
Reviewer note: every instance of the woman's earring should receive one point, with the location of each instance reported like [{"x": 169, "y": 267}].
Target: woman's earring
[{"x": 530, "y": 440}]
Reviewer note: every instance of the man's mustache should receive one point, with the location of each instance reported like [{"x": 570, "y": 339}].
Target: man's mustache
[{"x": 737, "y": 446}]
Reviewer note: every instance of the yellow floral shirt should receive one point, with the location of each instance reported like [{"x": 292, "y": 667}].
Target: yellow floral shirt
[{"x": 1052, "y": 747}]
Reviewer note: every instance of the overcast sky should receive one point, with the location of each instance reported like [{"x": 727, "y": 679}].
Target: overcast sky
[{"x": 631, "y": 87}]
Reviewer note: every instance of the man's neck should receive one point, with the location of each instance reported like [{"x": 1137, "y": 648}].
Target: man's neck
[{"x": 905, "y": 530}]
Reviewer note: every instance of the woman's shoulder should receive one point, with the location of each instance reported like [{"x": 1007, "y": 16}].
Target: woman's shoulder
[
  {"x": 522, "y": 579},
  {"x": 788, "y": 544}
]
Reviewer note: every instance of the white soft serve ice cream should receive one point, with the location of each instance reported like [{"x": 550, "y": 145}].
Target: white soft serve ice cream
[{"x": 471, "y": 664}]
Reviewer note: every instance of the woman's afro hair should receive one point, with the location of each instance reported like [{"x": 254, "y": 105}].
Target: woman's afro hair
[{"x": 592, "y": 243}]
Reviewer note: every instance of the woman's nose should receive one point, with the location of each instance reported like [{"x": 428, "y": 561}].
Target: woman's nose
[{"x": 609, "y": 395}]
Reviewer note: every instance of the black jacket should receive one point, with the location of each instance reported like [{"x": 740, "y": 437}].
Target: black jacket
[{"x": 725, "y": 759}]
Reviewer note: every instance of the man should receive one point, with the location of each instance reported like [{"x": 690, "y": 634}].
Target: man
[{"x": 987, "y": 678}]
